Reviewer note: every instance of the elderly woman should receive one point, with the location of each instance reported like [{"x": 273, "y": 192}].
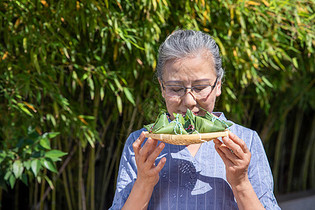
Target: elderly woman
[{"x": 232, "y": 173}]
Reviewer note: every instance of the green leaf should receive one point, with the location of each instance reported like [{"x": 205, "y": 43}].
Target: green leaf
[
  {"x": 90, "y": 137},
  {"x": 266, "y": 81},
  {"x": 36, "y": 166},
  {"x": 7, "y": 175},
  {"x": 12, "y": 181},
  {"x": 295, "y": 63},
  {"x": 2, "y": 156},
  {"x": 49, "y": 182},
  {"x": 118, "y": 84},
  {"x": 44, "y": 142},
  {"x": 229, "y": 91},
  {"x": 24, "y": 109},
  {"x": 47, "y": 163},
  {"x": 119, "y": 104},
  {"x": 18, "y": 168},
  {"x": 24, "y": 179},
  {"x": 27, "y": 164},
  {"x": 55, "y": 154},
  {"x": 129, "y": 95},
  {"x": 52, "y": 135}
]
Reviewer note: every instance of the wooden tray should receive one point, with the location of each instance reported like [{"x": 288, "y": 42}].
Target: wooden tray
[{"x": 186, "y": 139}]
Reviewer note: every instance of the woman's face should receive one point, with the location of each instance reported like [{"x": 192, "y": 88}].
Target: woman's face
[{"x": 191, "y": 71}]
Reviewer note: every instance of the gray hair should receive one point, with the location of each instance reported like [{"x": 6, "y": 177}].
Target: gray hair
[{"x": 182, "y": 43}]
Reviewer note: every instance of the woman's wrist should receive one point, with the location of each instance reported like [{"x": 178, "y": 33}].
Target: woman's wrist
[
  {"x": 144, "y": 186},
  {"x": 245, "y": 196},
  {"x": 242, "y": 186},
  {"x": 139, "y": 196}
]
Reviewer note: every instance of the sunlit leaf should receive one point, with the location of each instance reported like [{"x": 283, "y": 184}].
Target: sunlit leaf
[
  {"x": 44, "y": 142},
  {"x": 36, "y": 166},
  {"x": 54, "y": 154},
  {"x": 12, "y": 181},
  {"x": 129, "y": 95},
  {"x": 18, "y": 168},
  {"x": 119, "y": 104},
  {"x": 47, "y": 163}
]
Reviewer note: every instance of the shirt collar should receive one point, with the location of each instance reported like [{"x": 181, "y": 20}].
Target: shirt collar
[{"x": 220, "y": 115}]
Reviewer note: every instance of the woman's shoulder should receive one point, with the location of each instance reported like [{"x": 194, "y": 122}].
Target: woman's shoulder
[{"x": 236, "y": 128}]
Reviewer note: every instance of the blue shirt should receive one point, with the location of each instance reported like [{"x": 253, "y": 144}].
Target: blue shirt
[{"x": 199, "y": 182}]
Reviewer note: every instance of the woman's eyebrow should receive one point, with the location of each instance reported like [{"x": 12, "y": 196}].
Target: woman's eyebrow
[{"x": 179, "y": 82}]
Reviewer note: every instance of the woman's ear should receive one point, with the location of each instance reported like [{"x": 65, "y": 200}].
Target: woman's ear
[{"x": 218, "y": 88}]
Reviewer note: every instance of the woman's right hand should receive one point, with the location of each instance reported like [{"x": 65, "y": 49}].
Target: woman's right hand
[{"x": 148, "y": 172}]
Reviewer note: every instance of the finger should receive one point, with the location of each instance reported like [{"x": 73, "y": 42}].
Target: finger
[
  {"x": 156, "y": 152},
  {"x": 229, "y": 154},
  {"x": 237, "y": 150},
  {"x": 217, "y": 141},
  {"x": 154, "y": 144},
  {"x": 239, "y": 141},
  {"x": 227, "y": 151},
  {"x": 137, "y": 144},
  {"x": 226, "y": 160},
  {"x": 145, "y": 150},
  {"x": 160, "y": 165}
]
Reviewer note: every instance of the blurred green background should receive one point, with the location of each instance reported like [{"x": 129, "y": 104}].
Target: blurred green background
[{"x": 78, "y": 76}]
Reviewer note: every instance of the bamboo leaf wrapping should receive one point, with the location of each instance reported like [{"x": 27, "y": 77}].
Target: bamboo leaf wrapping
[{"x": 188, "y": 124}]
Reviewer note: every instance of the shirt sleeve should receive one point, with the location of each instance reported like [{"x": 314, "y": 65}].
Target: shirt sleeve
[
  {"x": 127, "y": 174},
  {"x": 260, "y": 175}
]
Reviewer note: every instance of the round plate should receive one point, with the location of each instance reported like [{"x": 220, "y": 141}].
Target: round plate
[{"x": 186, "y": 139}]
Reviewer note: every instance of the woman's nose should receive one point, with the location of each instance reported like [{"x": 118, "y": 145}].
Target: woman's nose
[{"x": 189, "y": 99}]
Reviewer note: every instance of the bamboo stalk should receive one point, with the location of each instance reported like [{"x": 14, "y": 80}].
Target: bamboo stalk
[
  {"x": 66, "y": 188},
  {"x": 106, "y": 174},
  {"x": 268, "y": 128},
  {"x": 56, "y": 144},
  {"x": 102, "y": 190},
  {"x": 71, "y": 185},
  {"x": 80, "y": 168},
  {"x": 42, "y": 191},
  {"x": 133, "y": 116},
  {"x": 0, "y": 198},
  {"x": 92, "y": 155},
  {"x": 36, "y": 194},
  {"x": 64, "y": 179},
  {"x": 278, "y": 154},
  {"x": 16, "y": 197},
  {"x": 72, "y": 188},
  {"x": 53, "y": 197},
  {"x": 313, "y": 167},
  {"x": 30, "y": 192},
  {"x": 115, "y": 159},
  {"x": 88, "y": 179},
  {"x": 297, "y": 128},
  {"x": 91, "y": 179},
  {"x": 306, "y": 162},
  {"x": 83, "y": 196},
  {"x": 62, "y": 168}
]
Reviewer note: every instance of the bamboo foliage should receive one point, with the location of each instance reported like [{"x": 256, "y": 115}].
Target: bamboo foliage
[{"x": 84, "y": 69}]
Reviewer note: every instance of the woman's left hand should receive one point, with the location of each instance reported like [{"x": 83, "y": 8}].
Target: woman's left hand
[{"x": 236, "y": 157}]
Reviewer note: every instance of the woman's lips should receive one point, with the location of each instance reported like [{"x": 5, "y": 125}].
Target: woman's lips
[{"x": 195, "y": 113}]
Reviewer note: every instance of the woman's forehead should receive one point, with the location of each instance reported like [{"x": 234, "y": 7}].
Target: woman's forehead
[{"x": 193, "y": 69}]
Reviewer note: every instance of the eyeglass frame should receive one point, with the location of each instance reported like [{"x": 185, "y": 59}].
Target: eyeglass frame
[{"x": 192, "y": 88}]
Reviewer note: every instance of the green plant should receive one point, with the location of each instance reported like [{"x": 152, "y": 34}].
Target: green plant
[
  {"x": 28, "y": 159},
  {"x": 84, "y": 69}
]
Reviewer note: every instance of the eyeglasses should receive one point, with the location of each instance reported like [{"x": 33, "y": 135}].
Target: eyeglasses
[{"x": 199, "y": 91}]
